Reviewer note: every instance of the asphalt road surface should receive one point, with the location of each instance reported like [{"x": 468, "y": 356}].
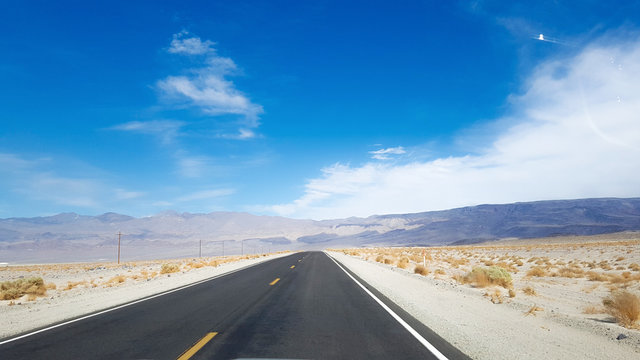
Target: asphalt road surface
[{"x": 302, "y": 306}]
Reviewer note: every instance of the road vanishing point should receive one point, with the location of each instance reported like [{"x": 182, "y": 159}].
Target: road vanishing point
[{"x": 301, "y": 306}]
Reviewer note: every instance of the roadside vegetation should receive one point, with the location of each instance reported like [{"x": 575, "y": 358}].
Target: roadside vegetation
[
  {"x": 28, "y": 281},
  {"x": 32, "y": 287},
  {"x": 598, "y": 276}
]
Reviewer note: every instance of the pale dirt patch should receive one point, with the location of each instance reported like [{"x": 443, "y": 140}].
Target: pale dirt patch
[
  {"x": 85, "y": 288},
  {"x": 563, "y": 324}
]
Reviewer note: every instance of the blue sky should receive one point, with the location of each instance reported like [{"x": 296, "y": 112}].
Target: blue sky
[{"x": 315, "y": 110}]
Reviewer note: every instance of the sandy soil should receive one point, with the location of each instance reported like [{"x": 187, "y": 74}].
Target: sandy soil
[
  {"x": 486, "y": 323},
  {"x": 89, "y": 287}
]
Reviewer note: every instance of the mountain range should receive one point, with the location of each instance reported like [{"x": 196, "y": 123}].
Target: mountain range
[{"x": 73, "y": 237}]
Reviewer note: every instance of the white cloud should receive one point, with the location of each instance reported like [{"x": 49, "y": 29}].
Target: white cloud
[
  {"x": 206, "y": 194},
  {"x": 206, "y": 87},
  {"x": 190, "y": 45},
  {"x": 574, "y": 133},
  {"x": 384, "y": 154}
]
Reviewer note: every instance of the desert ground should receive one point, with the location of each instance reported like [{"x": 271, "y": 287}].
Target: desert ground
[
  {"x": 566, "y": 297},
  {"x": 33, "y": 296},
  {"x": 553, "y": 298}
]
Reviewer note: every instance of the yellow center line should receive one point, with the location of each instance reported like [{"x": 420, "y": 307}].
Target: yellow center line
[
  {"x": 194, "y": 349},
  {"x": 274, "y": 281},
  {"x": 292, "y": 266}
]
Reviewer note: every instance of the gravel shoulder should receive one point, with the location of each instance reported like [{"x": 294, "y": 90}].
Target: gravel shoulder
[{"x": 484, "y": 330}]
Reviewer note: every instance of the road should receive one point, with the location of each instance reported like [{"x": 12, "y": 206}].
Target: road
[{"x": 302, "y": 306}]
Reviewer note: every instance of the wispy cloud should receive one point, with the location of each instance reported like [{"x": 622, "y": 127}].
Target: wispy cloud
[
  {"x": 33, "y": 182},
  {"x": 206, "y": 194},
  {"x": 206, "y": 87},
  {"x": 190, "y": 166},
  {"x": 166, "y": 130},
  {"x": 385, "y": 154},
  {"x": 573, "y": 133},
  {"x": 122, "y": 194}
]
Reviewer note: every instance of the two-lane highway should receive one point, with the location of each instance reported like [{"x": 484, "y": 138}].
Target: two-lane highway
[{"x": 301, "y": 306}]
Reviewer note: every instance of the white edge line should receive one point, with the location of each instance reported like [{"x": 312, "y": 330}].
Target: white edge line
[
  {"x": 413, "y": 332},
  {"x": 127, "y": 304}
]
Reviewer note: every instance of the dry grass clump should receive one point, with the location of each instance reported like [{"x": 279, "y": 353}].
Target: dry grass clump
[
  {"x": 596, "y": 276},
  {"x": 570, "y": 272},
  {"x": 537, "y": 271},
  {"x": 169, "y": 268},
  {"x": 195, "y": 265},
  {"x": 533, "y": 310},
  {"x": 419, "y": 269},
  {"x": 73, "y": 284},
  {"x": 624, "y": 307},
  {"x": 403, "y": 263},
  {"x": 634, "y": 267},
  {"x": 118, "y": 279},
  {"x": 33, "y": 287},
  {"x": 592, "y": 309},
  {"x": 485, "y": 276},
  {"x": 495, "y": 296},
  {"x": 529, "y": 291}
]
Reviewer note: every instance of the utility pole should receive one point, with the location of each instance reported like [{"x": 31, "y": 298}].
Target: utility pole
[
  {"x": 119, "y": 235},
  {"x": 200, "y": 248}
]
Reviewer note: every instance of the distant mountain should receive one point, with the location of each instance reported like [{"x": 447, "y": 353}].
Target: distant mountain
[
  {"x": 73, "y": 237},
  {"x": 520, "y": 220}
]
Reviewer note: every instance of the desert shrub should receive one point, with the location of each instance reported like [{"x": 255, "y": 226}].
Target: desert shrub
[
  {"x": 537, "y": 271},
  {"x": 512, "y": 293},
  {"x": 195, "y": 265},
  {"x": 485, "y": 276},
  {"x": 624, "y": 306},
  {"x": 169, "y": 268},
  {"x": 596, "y": 276},
  {"x": 380, "y": 258},
  {"x": 570, "y": 272},
  {"x": 388, "y": 261},
  {"x": 419, "y": 269},
  {"x": 33, "y": 287},
  {"x": 403, "y": 263}
]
